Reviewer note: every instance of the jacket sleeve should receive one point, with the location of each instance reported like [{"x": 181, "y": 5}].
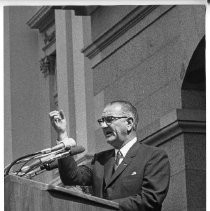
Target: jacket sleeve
[
  {"x": 154, "y": 187},
  {"x": 71, "y": 174}
]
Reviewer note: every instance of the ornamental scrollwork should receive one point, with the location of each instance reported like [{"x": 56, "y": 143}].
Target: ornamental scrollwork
[{"x": 46, "y": 65}]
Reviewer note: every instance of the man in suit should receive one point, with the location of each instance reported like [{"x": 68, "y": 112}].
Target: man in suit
[{"x": 133, "y": 174}]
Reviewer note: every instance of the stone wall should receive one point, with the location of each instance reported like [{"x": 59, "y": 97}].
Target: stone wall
[
  {"x": 143, "y": 58},
  {"x": 137, "y": 53}
]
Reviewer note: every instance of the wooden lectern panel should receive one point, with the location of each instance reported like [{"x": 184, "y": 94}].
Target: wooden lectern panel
[{"x": 22, "y": 194}]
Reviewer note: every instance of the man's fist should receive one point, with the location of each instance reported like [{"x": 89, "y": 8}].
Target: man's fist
[{"x": 58, "y": 121}]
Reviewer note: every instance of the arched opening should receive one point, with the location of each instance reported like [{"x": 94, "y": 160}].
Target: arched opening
[{"x": 194, "y": 83}]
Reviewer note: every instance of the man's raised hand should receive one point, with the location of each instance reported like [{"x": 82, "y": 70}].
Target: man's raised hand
[{"x": 58, "y": 121}]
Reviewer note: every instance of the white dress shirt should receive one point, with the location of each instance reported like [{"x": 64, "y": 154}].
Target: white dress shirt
[{"x": 125, "y": 149}]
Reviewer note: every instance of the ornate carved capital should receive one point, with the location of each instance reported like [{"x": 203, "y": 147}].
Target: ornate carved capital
[{"x": 47, "y": 65}]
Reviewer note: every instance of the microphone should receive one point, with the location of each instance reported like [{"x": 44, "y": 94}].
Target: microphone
[
  {"x": 76, "y": 150},
  {"x": 48, "y": 158},
  {"x": 50, "y": 166},
  {"x": 65, "y": 144},
  {"x": 34, "y": 172},
  {"x": 40, "y": 169},
  {"x": 52, "y": 157},
  {"x": 53, "y": 165}
]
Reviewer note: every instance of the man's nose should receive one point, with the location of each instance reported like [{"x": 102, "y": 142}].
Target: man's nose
[{"x": 104, "y": 124}]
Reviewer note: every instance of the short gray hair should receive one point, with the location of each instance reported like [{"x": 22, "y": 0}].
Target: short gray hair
[{"x": 127, "y": 107}]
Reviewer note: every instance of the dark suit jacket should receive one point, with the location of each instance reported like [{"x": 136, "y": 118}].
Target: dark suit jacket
[{"x": 140, "y": 182}]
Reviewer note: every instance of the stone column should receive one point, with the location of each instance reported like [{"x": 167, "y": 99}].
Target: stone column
[
  {"x": 75, "y": 92},
  {"x": 182, "y": 134},
  {"x": 65, "y": 74}
]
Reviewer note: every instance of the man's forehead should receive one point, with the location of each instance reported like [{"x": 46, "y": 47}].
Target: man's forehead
[{"x": 115, "y": 108}]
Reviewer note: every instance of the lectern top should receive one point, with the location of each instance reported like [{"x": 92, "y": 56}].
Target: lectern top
[{"x": 49, "y": 197}]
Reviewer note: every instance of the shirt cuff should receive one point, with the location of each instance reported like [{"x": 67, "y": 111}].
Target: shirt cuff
[{"x": 58, "y": 142}]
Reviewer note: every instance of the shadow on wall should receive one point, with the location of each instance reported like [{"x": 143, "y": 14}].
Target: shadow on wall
[{"x": 194, "y": 83}]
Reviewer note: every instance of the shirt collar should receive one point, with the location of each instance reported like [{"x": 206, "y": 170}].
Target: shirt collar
[{"x": 126, "y": 148}]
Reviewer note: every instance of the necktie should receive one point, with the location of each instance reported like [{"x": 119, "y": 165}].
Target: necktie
[{"x": 117, "y": 160}]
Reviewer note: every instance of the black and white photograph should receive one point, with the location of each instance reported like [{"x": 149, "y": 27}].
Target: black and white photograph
[{"x": 104, "y": 106}]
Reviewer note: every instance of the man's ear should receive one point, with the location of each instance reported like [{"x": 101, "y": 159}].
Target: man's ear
[{"x": 130, "y": 123}]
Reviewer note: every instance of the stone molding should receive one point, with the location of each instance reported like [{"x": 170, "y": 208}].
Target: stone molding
[
  {"x": 117, "y": 30},
  {"x": 45, "y": 16},
  {"x": 43, "y": 19},
  {"x": 175, "y": 123},
  {"x": 82, "y": 10}
]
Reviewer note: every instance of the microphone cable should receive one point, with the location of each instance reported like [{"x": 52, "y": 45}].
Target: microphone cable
[
  {"x": 37, "y": 156},
  {"x": 27, "y": 161},
  {"x": 7, "y": 169}
]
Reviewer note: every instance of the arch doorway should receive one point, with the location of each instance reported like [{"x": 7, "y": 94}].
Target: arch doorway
[{"x": 194, "y": 83}]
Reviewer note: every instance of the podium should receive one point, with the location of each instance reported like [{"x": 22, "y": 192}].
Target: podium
[{"x": 22, "y": 194}]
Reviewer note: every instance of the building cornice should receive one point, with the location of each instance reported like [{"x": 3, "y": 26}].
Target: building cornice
[
  {"x": 82, "y": 10},
  {"x": 105, "y": 39},
  {"x": 43, "y": 18},
  {"x": 179, "y": 121}
]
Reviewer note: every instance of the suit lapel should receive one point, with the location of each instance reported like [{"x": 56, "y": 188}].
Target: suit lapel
[
  {"x": 108, "y": 167},
  {"x": 126, "y": 161}
]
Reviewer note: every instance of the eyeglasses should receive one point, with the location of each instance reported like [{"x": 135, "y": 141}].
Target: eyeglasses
[{"x": 109, "y": 119}]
